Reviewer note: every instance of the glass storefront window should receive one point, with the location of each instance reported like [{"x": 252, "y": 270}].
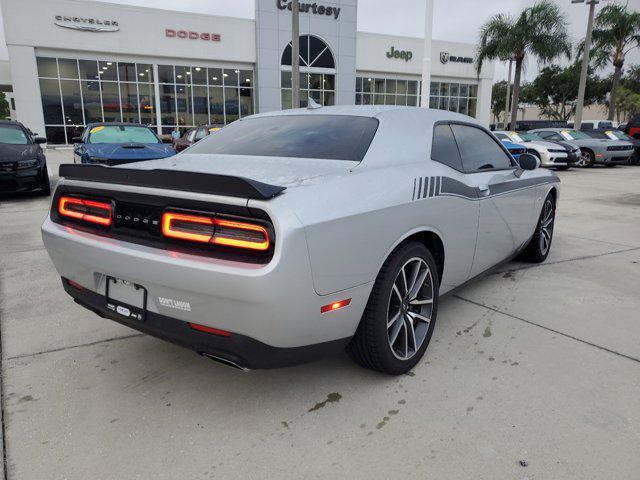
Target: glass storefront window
[
  {"x": 199, "y": 76},
  {"x": 165, "y": 73},
  {"x": 231, "y": 104},
  {"x": 110, "y": 101},
  {"x": 146, "y": 100},
  {"x": 51, "y": 102},
  {"x": 92, "y": 101},
  {"x": 78, "y": 92},
  {"x": 145, "y": 72},
  {"x": 71, "y": 102},
  {"x": 129, "y": 102},
  {"x": 127, "y": 72},
  {"x": 216, "y": 106},
  {"x": 68, "y": 68},
  {"x": 200, "y": 105},
  {"x": 47, "y": 67},
  {"x": 108, "y": 71},
  {"x": 388, "y": 91},
  {"x": 88, "y": 69}
]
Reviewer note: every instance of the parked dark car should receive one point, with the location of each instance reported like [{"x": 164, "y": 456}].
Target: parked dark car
[
  {"x": 23, "y": 166},
  {"x": 618, "y": 135},
  {"x": 632, "y": 128},
  {"x": 117, "y": 143},
  {"x": 194, "y": 135}
]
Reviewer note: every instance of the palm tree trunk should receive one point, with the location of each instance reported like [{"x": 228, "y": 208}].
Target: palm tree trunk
[
  {"x": 614, "y": 91},
  {"x": 516, "y": 93}
]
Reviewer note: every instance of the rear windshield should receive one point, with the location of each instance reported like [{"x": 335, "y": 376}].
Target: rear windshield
[
  {"x": 121, "y": 134},
  {"x": 330, "y": 137},
  {"x": 12, "y": 135}
]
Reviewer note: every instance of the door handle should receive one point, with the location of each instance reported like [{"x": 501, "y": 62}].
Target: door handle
[{"x": 484, "y": 190}]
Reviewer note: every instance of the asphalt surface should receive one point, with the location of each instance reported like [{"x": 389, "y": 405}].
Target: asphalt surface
[{"x": 533, "y": 372}]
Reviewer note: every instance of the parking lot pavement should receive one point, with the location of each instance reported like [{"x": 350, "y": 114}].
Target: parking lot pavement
[{"x": 539, "y": 364}]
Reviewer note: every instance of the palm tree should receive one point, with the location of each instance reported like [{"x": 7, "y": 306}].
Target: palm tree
[
  {"x": 540, "y": 30},
  {"x": 616, "y": 31}
]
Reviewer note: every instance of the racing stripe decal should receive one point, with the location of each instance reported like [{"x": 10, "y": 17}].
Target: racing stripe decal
[
  {"x": 430, "y": 187},
  {"x": 426, "y": 187}
]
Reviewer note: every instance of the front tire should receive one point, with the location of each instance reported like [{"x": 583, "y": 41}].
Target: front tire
[
  {"x": 400, "y": 316},
  {"x": 587, "y": 159},
  {"x": 45, "y": 190},
  {"x": 539, "y": 246}
]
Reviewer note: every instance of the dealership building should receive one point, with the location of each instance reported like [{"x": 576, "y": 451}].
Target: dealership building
[{"x": 77, "y": 62}]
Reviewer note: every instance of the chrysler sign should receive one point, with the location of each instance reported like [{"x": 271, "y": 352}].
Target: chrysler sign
[{"x": 86, "y": 24}]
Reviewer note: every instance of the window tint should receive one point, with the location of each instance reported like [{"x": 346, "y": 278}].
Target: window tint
[
  {"x": 479, "y": 151},
  {"x": 121, "y": 134},
  {"x": 444, "y": 148},
  {"x": 331, "y": 137},
  {"x": 12, "y": 135}
]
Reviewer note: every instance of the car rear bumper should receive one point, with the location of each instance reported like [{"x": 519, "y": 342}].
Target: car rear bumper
[
  {"x": 235, "y": 350},
  {"x": 274, "y": 304}
]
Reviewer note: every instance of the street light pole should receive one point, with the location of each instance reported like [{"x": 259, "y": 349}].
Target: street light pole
[
  {"x": 585, "y": 63},
  {"x": 295, "y": 54}
]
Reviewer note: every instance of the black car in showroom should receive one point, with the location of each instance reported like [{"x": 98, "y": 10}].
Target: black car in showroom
[{"x": 23, "y": 166}]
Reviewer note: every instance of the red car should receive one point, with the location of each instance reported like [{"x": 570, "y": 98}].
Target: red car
[{"x": 193, "y": 135}]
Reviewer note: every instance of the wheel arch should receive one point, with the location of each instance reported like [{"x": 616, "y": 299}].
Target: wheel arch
[{"x": 430, "y": 238}]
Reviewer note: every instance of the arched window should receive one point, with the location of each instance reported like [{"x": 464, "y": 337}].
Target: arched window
[{"x": 317, "y": 72}]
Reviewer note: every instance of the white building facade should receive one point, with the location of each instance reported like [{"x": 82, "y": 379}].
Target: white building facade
[{"x": 73, "y": 63}]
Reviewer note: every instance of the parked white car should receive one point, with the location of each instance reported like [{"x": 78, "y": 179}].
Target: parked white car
[{"x": 550, "y": 154}]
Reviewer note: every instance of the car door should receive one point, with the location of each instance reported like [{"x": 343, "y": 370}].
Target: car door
[
  {"x": 457, "y": 212},
  {"x": 505, "y": 196}
]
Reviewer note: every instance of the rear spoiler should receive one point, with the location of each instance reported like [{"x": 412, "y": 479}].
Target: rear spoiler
[{"x": 173, "y": 180}]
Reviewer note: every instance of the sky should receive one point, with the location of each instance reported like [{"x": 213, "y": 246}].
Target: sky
[{"x": 453, "y": 20}]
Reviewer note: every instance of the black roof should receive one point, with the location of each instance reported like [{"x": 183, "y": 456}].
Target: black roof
[{"x": 11, "y": 122}]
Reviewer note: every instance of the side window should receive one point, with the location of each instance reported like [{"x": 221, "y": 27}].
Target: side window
[
  {"x": 545, "y": 134},
  {"x": 555, "y": 136},
  {"x": 479, "y": 151},
  {"x": 190, "y": 135},
  {"x": 444, "y": 148},
  {"x": 501, "y": 136},
  {"x": 588, "y": 125},
  {"x": 201, "y": 133}
]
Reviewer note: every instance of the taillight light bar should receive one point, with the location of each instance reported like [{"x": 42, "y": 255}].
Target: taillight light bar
[
  {"x": 86, "y": 210},
  {"x": 218, "y": 231}
]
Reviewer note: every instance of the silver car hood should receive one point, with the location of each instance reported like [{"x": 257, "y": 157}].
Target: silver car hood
[
  {"x": 542, "y": 143},
  {"x": 281, "y": 171}
]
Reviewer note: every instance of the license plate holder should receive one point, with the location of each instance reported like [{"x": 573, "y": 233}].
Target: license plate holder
[{"x": 125, "y": 298}]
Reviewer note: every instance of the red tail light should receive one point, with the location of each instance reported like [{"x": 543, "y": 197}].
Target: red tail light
[
  {"x": 195, "y": 228},
  {"x": 86, "y": 210},
  {"x": 219, "y": 231}
]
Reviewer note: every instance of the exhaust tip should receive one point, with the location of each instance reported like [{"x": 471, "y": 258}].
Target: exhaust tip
[{"x": 225, "y": 361}]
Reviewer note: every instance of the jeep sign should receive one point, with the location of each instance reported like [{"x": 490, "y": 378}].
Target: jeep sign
[{"x": 405, "y": 55}]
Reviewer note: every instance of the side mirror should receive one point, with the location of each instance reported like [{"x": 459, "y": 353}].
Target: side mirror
[
  {"x": 528, "y": 161},
  {"x": 39, "y": 140},
  {"x": 77, "y": 140}
]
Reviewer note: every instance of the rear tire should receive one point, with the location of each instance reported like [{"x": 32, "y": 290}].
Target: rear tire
[
  {"x": 539, "y": 246},
  {"x": 400, "y": 316}
]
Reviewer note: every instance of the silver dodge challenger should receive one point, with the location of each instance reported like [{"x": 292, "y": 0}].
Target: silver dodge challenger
[{"x": 293, "y": 234}]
